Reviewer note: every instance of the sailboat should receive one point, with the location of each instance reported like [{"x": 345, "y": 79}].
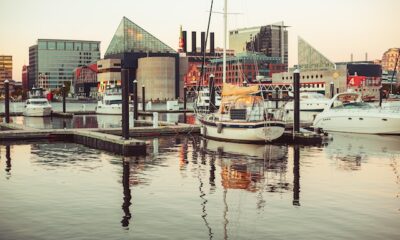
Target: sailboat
[{"x": 241, "y": 116}]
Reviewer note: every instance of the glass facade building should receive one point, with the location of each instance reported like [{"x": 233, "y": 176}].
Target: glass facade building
[
  {"x": 271, "y": 40},
  {"x": 311, "y": 59},
  {"x": 52, "y": 61}
]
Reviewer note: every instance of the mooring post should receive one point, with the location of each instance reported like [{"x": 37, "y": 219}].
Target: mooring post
[
  {"x": 296, "y": 175},
  {"x": 7, "y": 100},
  {"x": 135, "y": 100},
  {"x": 296, "y": 109},
  {"x": 143, "y": 99},
  {"x": 63, "y": 98},
  {"x": 332, "y": 89},
  {"x": 155, "y": 119},
  {"x": 184, "y": 97},
  {"x": 276, "y": 98},
  {"x": 125, "y": 103},
  {"x": 212, "y": 93},
  {"x": 380, "y": 96}
]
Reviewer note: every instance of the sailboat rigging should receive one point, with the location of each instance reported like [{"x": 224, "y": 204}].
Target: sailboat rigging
[{"x": 242, "y": 116}]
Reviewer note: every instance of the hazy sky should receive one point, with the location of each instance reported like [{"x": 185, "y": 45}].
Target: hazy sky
[{"x": 335, "y": 27}]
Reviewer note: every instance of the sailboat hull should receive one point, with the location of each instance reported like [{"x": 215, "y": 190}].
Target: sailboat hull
[{"x": 243, "y": 132}]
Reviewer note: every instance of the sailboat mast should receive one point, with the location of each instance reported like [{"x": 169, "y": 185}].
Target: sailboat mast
[{"x": 225, "y": 36}]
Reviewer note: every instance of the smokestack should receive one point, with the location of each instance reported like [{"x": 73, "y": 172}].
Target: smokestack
[
  {"x": 212, "y": 49},
  {"x": 366, "y": 56},
  {"x": 194, "y": 42},
  {"x": 184, "y": 41},
  {"x": 203, "y": 39},
  {"x": 351, "y": 57}
]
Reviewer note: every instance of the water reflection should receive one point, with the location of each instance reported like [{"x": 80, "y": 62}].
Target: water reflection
[
  {"x": 296, "y": 175},
  {"x": 351, "y": 150},
  {"x": 8, "y": 161},
  {"x": 127, "y": 193}
]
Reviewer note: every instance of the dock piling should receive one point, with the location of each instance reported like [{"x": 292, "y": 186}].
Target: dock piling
[
  {"x": 143, "y": 99},
  {"x": 184, "y": 97},
  {"x": 125, "y": 103},
  {"x": 332, "y": 89},
  {"x": 296, "y": 175},
  {"x": 212, "y": 93},
  {"x": 7, "y": 100},
  {"x": 380, "y": 96},
  {"x": 135, "y": 100},
  {"x": 63, "y": 98},
  {"x": 296, "y": 112}
]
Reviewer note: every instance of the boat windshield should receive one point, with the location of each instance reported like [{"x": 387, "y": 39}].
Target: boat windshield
[
  {"x": 116, "y": 101},
  {"x": 354, "y": 105},
  {"x": 114, "y": 91},
  {"x": 37, "y": 102}
]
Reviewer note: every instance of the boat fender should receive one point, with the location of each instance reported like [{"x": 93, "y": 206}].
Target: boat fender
[{"x": 219, "y": 127}]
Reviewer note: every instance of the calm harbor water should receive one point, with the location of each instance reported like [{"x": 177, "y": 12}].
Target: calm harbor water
[{"x": 191, "y": 188}]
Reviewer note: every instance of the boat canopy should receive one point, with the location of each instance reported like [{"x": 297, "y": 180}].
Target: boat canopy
[{"x": 233, "y": 90}]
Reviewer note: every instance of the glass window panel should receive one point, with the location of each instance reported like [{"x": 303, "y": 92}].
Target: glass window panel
[
  {"x": 69, "y": 46},
  {"x": 42, "y": 45},
  {"x": 60, "y": 46},
  {"x": 85, "y": 46},
  {"x": 51, "y": 45}
]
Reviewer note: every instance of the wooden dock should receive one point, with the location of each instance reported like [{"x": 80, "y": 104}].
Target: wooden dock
[{"x": 108, "y": 139}]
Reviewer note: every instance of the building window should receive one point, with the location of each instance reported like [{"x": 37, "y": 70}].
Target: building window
[{"x": 51, "y": 45}]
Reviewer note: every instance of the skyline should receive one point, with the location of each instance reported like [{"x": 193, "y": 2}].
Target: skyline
[{"x": 335, "y": 28}]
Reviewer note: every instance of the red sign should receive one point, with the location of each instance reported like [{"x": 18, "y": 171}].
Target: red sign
[{"x": 355, "y": 81}]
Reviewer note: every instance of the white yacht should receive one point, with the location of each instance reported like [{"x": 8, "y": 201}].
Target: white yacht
[
  {"x": 311, "y": 103},
  {"x": 241, "y": 117},
  {"x": 111, "y": 102},
  {"x": 202, "y": 101},
  {"x": 37, "y": 105},
  {"x": 346, "y": 112}
]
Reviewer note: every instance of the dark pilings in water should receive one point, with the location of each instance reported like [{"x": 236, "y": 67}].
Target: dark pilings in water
[
  {"x": 143, "y": 99},
  {"x": 276, "y": 98},
  {"x": 135, "y": 100},
  {"x": 296, "y": 108},
  {"x": 296, "y": 175},
  {"x": 125, "y": 103},
  {"x": 7, "y": 100},
  {"x": 63, "y": 98},
  {"x": 380, "y": 96},
  {"x": 212, "y": 93}
]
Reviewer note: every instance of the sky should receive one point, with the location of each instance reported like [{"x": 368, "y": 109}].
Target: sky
[{"x": 337, "y": 28}]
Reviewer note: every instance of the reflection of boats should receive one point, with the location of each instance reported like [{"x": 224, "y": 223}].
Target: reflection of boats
[
  {"x": 311, "y": 103},
  {"x": 111, "y": 102},
  {"x": 203, "y": 99},
  {"x": 241, "y": 117},
  {"x": 256, "y": 151},
  {"x": 37, "y": 105},
  {"x": 347, "y": 113}
]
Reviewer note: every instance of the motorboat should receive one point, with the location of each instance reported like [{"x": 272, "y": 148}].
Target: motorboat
[
  {"x": 241, "y": 117},
  {"x": 346, "y": 112},
  {"x": 37, "y": 105},
  {"x": 111, "y": 102},
  {"x": 311, "y": 103},
  {"x": 202, "y": 101}
]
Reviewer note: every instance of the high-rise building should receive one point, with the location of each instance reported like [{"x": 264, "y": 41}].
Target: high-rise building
[
  {"x": 5, "y": 70},
  {"x": 271, "y": 40},
  {"x": 389, "y": 59},
  {"x": 52, "y": 61}
]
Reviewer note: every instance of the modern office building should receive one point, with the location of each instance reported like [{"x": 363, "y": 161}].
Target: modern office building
[
  {"x": 52, "y": 61},
  {"x": 5, "y": 70},
  {"x": 131, "y": 43},
  {"x": 271, "y": 40}
]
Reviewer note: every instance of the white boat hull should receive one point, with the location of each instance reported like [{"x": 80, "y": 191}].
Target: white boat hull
[
  {"x": 109, "y": 109},
  {"x": 243, "y": 132},
  {"x": 37, "y": 111},
  {"x": 359, "y": 123}
]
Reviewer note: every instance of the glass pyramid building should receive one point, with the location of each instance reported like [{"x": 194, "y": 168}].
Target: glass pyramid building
[
  {"x": 310, "y": 59},
  {"x": 129, "y": 37}
]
